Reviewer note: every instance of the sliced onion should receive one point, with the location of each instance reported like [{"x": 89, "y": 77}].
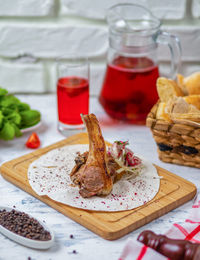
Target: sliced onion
[{"x": 128, "y": 169}]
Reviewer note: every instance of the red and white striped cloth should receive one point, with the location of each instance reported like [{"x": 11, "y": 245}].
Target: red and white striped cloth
[{"x": 189, "y": 230}]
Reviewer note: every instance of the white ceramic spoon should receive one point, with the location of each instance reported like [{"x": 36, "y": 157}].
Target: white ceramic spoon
[{"x": 37, "y": 244}]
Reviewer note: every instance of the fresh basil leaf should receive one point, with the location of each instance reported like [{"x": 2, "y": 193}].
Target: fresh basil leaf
[
  {"x": 6, "y": 111},
  {"x": 9, "y": 101},
  {"x": 3, "y": 92},
  {"x": 14, "y": 117},
  {"x": 18, "y": 133},
  {"x": 1, "y": 119},
  {"x": 23, "y": 106},
  {"x": 7, "y": 132},
  {"x": 29, "y": 118}
]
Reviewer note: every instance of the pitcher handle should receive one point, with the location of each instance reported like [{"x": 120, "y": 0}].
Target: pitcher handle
[{"x": 174, "y": 45}]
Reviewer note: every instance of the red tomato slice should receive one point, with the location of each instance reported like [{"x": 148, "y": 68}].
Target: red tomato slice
[{"x": 33, "y": 141}]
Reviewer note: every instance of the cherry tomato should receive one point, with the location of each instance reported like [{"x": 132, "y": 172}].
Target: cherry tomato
[{"x": 33, "y": 141}]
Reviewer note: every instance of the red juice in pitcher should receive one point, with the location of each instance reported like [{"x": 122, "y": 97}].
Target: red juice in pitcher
[
  {"x": 73, "y": 99},
  {"x": 129, "y": 88}
]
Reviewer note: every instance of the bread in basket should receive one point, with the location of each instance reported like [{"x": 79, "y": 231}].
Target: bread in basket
[{"x": 175, "y": 120}]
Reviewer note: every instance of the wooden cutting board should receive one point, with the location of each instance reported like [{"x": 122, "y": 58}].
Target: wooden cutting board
[{"x": 174, "y": 191}]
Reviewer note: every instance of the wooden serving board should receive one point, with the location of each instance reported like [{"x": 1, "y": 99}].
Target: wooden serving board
[{"x": 174, "y": 191}]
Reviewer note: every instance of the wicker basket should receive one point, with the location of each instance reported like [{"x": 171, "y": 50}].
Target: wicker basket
[{"x": 177, "y": 143}]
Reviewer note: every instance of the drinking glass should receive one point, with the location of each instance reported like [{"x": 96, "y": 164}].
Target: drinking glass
[{"x": 72, "y": 93}]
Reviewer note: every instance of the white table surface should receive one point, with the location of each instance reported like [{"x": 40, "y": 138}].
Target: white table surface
[{"x": 87, "y": 244}]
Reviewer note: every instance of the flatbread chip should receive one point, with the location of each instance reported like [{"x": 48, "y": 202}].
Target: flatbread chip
[
  {"x": 178, "y": 108},
  {"x": 180, "y": 81},
  {"x": 167, "y": 89},
  {"x": 177, "y": 105},
  {"x": 191, "y": 84},
  {"x": 161, "y": 113},
  {"x": 193, "y": 100},
  {"x": 179, "y": 102}
]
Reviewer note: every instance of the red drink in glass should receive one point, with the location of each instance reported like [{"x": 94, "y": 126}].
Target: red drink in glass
[
  {"x": 73, "y": 99},
  {"x": 129, "y": 88}
]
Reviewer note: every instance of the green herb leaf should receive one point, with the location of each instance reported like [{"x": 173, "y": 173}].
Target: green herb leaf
[
  {"x": 15, "y": 115},
  {"x": 3, "y": 91},
  {"x": 6, "y": 111},
  {"x": 9, "y": 101},
  {"x": 29, "y": 118},
  {"x": 15, "y": 118},
  {"x": 122, "y": 143},
  {"x": 18, "y": 133},
  {"x": 7, "y": 132},
  {"x": 1, "y": 119},
  {"x": 23, "y": 106}
]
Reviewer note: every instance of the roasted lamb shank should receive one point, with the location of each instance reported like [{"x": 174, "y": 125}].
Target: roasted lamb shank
[{"x": 91, "y": 172}]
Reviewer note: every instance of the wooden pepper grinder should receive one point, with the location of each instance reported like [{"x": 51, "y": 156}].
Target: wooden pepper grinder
[{"x": 171, "y": 248}]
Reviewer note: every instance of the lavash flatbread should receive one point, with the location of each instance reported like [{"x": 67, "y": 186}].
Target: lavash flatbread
[{"x": 49, "y": 175}]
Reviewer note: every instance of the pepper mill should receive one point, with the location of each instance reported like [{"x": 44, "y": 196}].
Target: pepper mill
[{"x": 171, "y": 248}]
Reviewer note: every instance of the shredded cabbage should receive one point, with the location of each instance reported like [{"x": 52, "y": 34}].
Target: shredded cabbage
[{"x": 125, "y": 158}]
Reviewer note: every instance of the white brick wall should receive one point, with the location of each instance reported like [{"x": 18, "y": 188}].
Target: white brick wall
[
  {"x": 27, "y": 8},
  {"x": 34, "y": 32},
  {"x": 51, "y": 41},
  {"x": 19, "y": 77},
  {"x": 190, "y": 42},
  {"x": 196, "y": 8},
  {"x": 96, "y": 9}
]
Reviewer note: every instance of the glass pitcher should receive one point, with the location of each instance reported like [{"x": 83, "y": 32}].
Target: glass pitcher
[{"x": 129, "y": 88}]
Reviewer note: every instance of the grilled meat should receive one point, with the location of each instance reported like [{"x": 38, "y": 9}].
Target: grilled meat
[{"x": 91, "y": 171}]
